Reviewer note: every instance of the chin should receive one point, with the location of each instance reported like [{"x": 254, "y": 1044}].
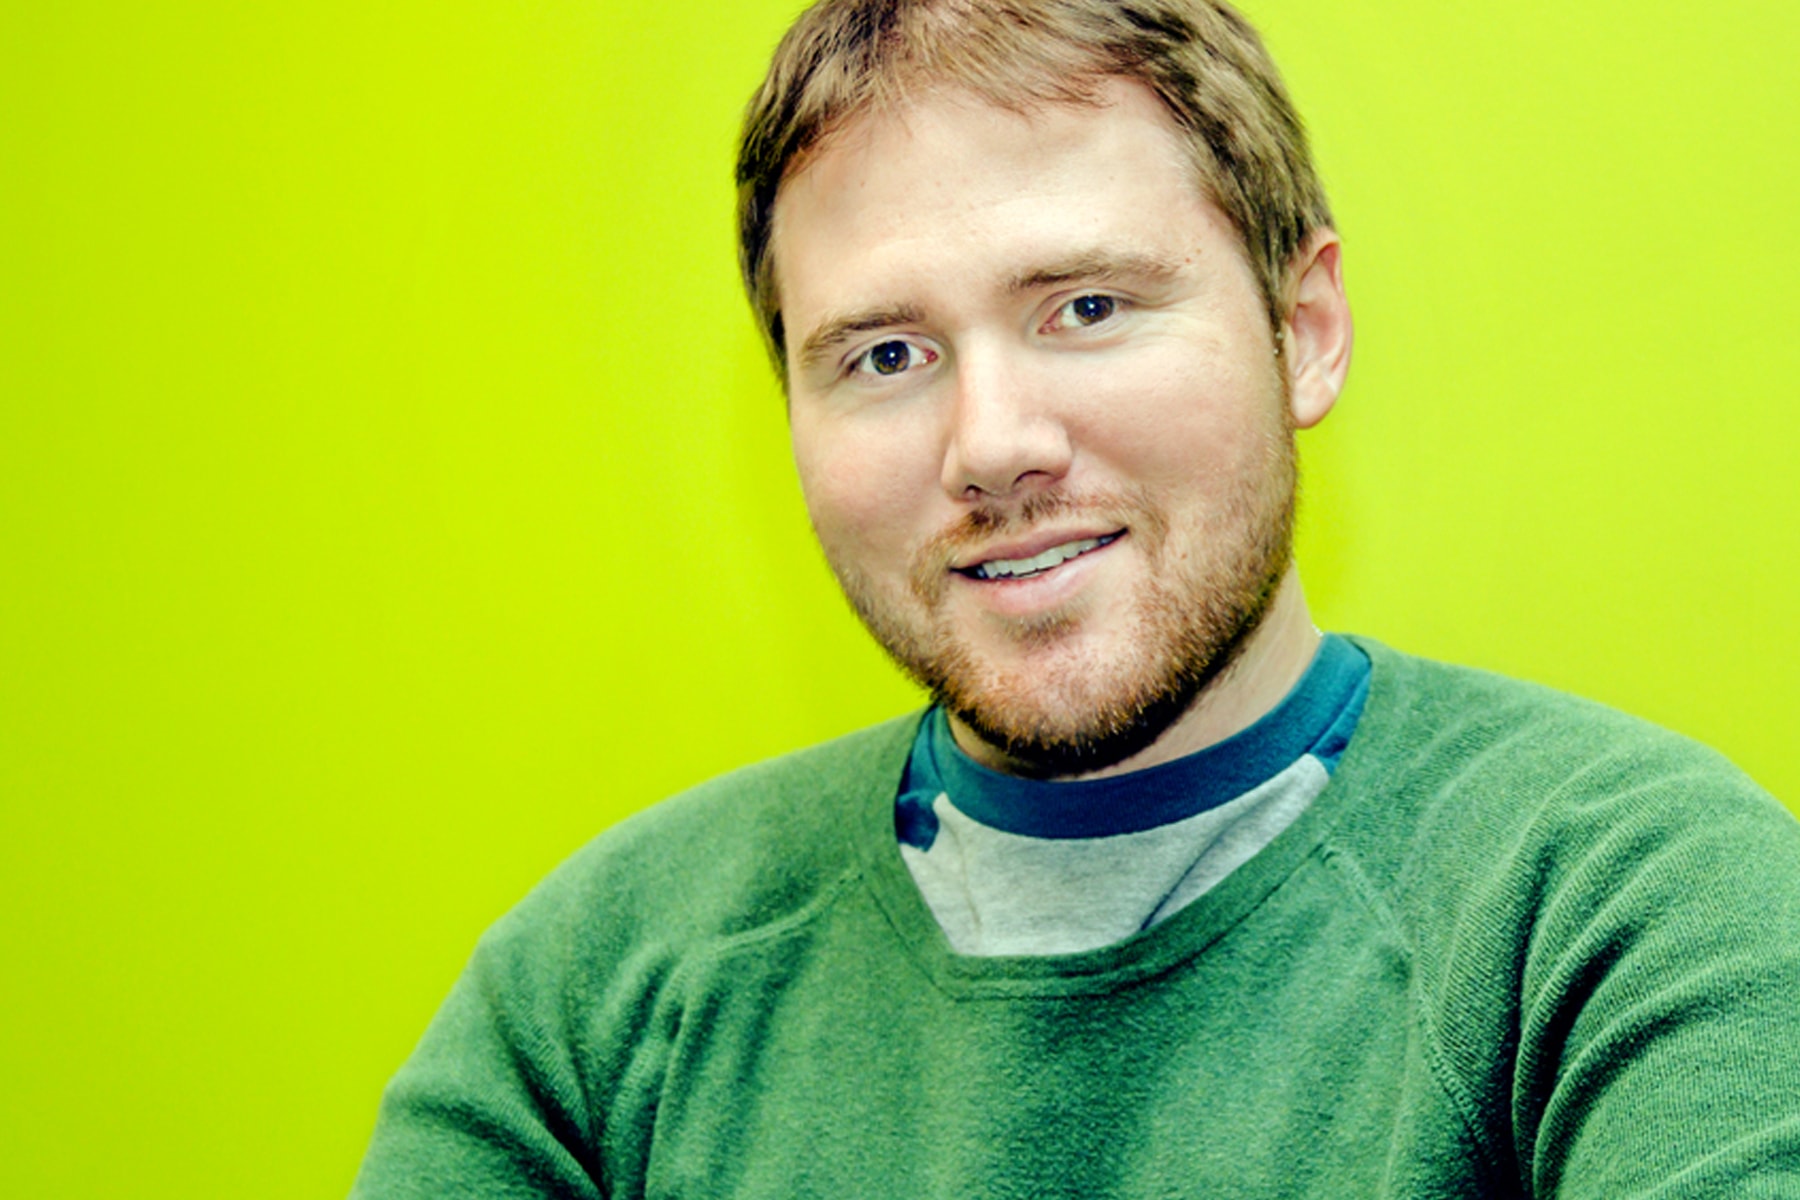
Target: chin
[{"x": 1077, "y": 715}]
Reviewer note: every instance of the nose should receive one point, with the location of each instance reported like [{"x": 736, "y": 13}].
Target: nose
[{"x": 1005, "y": 437}]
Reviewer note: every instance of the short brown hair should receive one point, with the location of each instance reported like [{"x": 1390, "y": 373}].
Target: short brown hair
[{"x": 844, "y": 58}]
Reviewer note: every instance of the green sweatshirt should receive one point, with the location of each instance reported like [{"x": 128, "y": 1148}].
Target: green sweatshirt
[{"x": 1520, "y": 946}]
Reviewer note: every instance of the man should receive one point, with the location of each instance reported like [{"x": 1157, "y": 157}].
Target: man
[{"x": 1167, "y": 894}]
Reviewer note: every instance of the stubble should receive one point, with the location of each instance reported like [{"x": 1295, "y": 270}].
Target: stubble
[{"x": 1055, "y": 710}]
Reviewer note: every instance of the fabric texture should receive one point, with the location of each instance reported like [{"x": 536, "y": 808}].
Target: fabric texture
[
  {"x": 1022, "y": 866},
  {"x": 1520, "y": 945}
]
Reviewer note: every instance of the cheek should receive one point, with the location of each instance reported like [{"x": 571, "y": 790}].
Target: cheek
[
  {"x": 1175, "y": 423},
  {"x": 863, "y": 486}
]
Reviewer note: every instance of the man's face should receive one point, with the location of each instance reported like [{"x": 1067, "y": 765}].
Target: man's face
[{"x": 1037, "y": 413}]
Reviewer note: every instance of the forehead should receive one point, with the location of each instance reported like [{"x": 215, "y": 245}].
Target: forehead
[{"x": 951, "y": 183}]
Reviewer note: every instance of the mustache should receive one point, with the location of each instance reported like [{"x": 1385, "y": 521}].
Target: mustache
[{"x": 987, "y": 521}]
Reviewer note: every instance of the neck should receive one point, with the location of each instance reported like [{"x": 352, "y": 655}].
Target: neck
[{"x": 1265, "y": 670}]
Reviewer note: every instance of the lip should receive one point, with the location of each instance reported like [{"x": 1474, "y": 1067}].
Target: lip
[
  {"x": 1031, "y": 548},
  {"x": 1034, "y": 597}
]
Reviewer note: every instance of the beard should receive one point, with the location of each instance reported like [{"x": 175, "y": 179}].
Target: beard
[{"x": 1059, "y": 709}]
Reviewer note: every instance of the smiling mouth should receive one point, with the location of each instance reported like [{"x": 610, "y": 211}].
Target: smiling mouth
[{"x": 1037, "y": 564}]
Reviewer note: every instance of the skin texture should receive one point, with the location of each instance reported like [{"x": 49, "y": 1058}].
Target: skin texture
[{"x": 1010, "y": 332}]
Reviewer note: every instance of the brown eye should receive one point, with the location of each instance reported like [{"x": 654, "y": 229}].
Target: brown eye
[
  {"x": 890, "y": 358},
  {"x": 1091, "y": 310}
]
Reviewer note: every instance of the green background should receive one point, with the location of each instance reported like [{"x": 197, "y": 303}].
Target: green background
[{"x": 393, "y": 494}]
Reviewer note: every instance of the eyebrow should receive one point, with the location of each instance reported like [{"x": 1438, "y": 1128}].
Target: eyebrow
[
  {"x": 1094, "y": 265},
  {"x": 835, "y": 331}
]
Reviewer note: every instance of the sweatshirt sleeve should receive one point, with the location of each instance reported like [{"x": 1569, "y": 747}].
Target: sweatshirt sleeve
[
  {"x": 1659, "y": 1035},
  {"x": 489, "y": 1105}
]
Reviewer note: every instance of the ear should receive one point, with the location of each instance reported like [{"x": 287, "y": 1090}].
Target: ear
[{"x": 1317, "y": 335}]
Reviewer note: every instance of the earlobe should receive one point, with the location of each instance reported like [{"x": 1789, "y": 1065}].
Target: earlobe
[{"x": 1318, "y": 332}]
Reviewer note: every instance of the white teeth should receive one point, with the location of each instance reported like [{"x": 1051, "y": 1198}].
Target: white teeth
[{"x": 1013, "y": 568}]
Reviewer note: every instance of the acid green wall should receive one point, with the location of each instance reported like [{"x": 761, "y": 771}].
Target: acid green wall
[{"x": 392, "y": 493}]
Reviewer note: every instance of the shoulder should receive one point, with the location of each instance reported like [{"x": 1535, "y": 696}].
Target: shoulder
[
  {"x": 743, "y": 851},
  {"x": 562, "y": 1021},
  {"x": 1442, "y": 731},
  {"x": 1484, "y": 807},
  {"x": 1467, "y": 794},
  {"x": 1591, "y": 907}
]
